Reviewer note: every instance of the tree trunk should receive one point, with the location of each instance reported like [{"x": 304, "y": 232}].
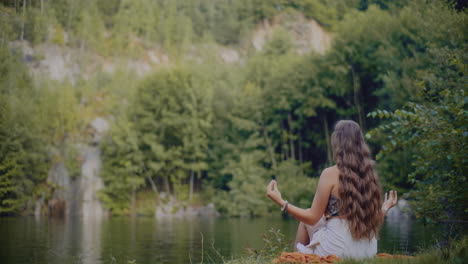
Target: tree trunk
[
  {"x": 166, "y": 184},
  {"x": 42, "y": 7},
  {"x": 327, "y": 139},
  {"x": 70, "y": 7},
  {"x": 357, "y": 97},
  {"x": 191, "y": 185},
  {"x": 153, "y": 185},
  {"x": 284, "y": 150},
  {"x": 22, "y": 21},
  {"x": 291, "y": 137},
  {"x": 270, "y": 147},
  {"x": 301, "y": 160}
]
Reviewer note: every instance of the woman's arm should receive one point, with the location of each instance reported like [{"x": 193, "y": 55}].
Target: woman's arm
[{"x": 312, "y": 215}]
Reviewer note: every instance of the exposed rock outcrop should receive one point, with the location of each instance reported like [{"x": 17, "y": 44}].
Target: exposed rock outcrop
[
  {"x": 67, "y": 63},
  {"x": 175, "y": 209},
  {"x": 99, "y": 127},
  {"x": 79, "y": 195},
  {"x": 64, "y": 200},
  {"x": 307, "y": 35},
  {"x": 91, "y": 183},
  {"x": 229, "y": 55}
]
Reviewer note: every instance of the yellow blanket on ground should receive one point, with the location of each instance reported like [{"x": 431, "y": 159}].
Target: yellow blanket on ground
[{"x": 296, "y": 257}]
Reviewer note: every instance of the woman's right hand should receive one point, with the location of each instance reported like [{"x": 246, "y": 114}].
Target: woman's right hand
[
  {"x": 391, "y": 199},
  {"x": 274, "y": 194}
]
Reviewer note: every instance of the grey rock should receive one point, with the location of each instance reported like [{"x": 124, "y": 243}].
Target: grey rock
[
  {"x": 91, "y": 183},
  {"x": 99, "y": 127},
  {"x": 175, "y": 209}
]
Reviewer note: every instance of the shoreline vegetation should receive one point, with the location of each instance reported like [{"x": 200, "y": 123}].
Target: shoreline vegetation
[
  {"x": 451, "y": 252},
  {"x": 217, "y": 95},
  {"x": 126, "y": 107},
  {"x": 455, "y": 252}
]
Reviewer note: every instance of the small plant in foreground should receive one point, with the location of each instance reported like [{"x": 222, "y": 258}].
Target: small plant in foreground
[{"x": 275, "y": 243}]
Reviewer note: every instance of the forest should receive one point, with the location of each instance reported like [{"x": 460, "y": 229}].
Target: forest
[{"x": 203, "y": 129}]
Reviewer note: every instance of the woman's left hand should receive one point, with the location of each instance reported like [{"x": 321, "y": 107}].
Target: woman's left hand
[
  {"x": 390, "y": 200},
  {"x": 273, "y": 193}
]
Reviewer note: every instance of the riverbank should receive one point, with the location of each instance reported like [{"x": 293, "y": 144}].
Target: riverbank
[{"x": 456, "y": 253}]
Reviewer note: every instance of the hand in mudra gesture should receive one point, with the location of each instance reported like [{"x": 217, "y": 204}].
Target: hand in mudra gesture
[
  {"x": 273, "y": 193},
  {"x": 391, "y": 199}
]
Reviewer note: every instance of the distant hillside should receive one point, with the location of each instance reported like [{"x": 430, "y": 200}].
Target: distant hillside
[{"x": 60, "y": 62}]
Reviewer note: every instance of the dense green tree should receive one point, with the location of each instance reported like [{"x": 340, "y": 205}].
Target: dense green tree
[
  {"x": 135, "y": 19},
  {"x": 435, "y": 129},
  {"x": 90, "y": 29},
  {"x": 172, "y": 118},
  {"x": 166, "y": 132},
  {"x": 375, "y": 60},
  {"x": 23, "y": 158},
  {"x": 123, "y": 167}
]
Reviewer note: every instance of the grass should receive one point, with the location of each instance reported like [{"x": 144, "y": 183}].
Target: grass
[{"x": 455, "y": 253}]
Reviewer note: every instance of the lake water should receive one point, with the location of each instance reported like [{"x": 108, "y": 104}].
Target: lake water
[{"x": 147, "y": 240}]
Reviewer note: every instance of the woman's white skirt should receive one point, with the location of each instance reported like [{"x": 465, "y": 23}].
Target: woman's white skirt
[{"x": 333, "y": 237}]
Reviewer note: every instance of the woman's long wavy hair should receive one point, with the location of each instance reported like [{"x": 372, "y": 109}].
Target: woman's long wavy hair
[{"x": 359, "y": 188}]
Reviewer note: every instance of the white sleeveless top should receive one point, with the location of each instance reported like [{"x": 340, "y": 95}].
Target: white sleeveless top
[{"x": 335, "y": 238}]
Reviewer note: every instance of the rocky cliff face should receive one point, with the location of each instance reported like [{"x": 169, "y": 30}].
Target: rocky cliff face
[
  {"x": 64, "y": 63},
  {"x": 91, "y": 183},
  {"x": 78, "y": 196},
  {"x": 307, "y": 35},
  {"x": 62, "y": 202}
]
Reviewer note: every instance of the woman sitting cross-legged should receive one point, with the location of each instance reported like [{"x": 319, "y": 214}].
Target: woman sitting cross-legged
[{"x": 347, "y": 209}]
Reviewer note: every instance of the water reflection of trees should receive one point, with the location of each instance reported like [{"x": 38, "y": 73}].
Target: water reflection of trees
[
  {"x": 147, "y": 240},
  {"x": 397, "y": 230},
  {"x": 91, "y": 241}
]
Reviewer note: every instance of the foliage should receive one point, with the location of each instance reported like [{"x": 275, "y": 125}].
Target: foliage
[
  {"x": 22, "y": 152},
  {"x": 172, "y": 117},
  {"x": 72, "y": 161},
  {"x": 294, "y": 183},
  {"x": 163, "y": 138},
  {"x": 226, "y": 128},
  {"x": 275, "y": 243},
  {"x": 122, "y": 168},
  {"x": 34, "y": 123},
  {"x": 129, "y": 26},
  {"x": 246, "y": 195},
  {"x": 436, "y": 129}
]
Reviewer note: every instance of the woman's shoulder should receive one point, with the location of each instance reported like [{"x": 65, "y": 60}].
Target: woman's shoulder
[
  {"x": 331, "y": 171},
  {"x": 331, "y": 175}
]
